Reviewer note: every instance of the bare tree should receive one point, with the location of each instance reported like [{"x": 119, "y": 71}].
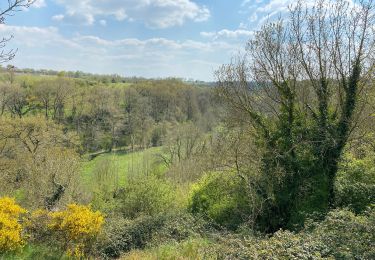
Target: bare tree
[
  {"x": 299, "y": 85},
  {"x": 36, "y": 157},
  {"x": 17, "y": 102},
  {"x": 9, "y": 8}
]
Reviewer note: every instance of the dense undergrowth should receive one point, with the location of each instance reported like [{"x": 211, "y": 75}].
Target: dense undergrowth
[{"x": 148, "y": 219}]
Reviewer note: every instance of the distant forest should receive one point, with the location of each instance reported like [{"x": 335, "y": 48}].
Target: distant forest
[{"x": 115, "y": 78}]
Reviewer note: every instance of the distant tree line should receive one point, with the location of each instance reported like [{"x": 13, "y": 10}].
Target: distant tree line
[{"x": 103, "y": 78}]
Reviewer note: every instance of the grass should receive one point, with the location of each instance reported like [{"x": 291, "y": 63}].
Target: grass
[
  {"x": 122, "y": 165},
  {"x": 34, "y": 252},
  {"x": 191, "y": 249}
]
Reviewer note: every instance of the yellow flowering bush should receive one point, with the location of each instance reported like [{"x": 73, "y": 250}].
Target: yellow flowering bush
[
  {"x": 10, "y": 228},
  {"x": 37, "y": 226},
  {"x": 78, "y": 226}
]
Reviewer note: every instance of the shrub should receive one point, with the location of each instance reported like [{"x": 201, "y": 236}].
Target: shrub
[
  {"x": 37, "y": 226},
  {"x": 348, "y": 236},
  {"x": 44, "y": 242},
  {"x": 147, "y": 195},
  {"x": 282, "y": 245},
  {"x": 342, "y": 235},
  {"x": 189, "y": 249},
  {"x": 10, "y": 228},
  {"x": 355, "y": 184},
  {"x": 78, "y": 227},
  {"x": 124, "y": 235},
  {"x": 221, "y": 197}
]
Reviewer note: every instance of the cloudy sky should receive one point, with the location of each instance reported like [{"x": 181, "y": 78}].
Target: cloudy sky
[{"x": 149, "y": 38}]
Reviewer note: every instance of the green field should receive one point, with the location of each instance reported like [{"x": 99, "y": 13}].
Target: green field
[{"x": 122, "y": 165}]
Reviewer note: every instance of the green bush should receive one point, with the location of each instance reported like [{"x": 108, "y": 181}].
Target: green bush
[
  {"x": 355, "y": 184},
  {"x": 342, "y": 235},
  {"x": 346, "y": 235},
  {"x": 124, "y": 235},
  {"x": 282, "y": 245},
  {"x": 146, "y": 195},
  {"x": 197, "y": 249},
  {"x": 222, "y": 197}
]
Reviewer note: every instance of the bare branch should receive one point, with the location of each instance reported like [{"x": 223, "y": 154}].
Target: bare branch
[{"x": 9, "y": 8}]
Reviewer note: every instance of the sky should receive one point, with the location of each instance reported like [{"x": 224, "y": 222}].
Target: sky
[{"x": 149, "y": 38}]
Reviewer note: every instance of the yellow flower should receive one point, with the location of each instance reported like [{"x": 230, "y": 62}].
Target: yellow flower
[
  {"x": 10, "y": 228},
  {"x": 79, "y": 224}
]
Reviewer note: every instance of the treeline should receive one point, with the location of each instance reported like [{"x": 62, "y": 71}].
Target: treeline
[
  {"x": 112, "y": 78},
  {"x": 110, "y": 115},
  {"x": 102, "y": 78}
]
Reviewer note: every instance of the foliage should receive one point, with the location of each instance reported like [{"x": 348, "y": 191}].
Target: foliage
[
  {"x": 78, "y": 226},
  {"x": 10, "y": 228},
  {"x": 146, "y": 195},
  {"x": 346, "y": 235},
  {"x": 36, "y": 252},
  {"x": 38, "y": 161},
  {"x": 355, "y": 183},
  {"x": 302, "y": 105},
  {"x": 123, "y": 235},
  {"x": 342, "y": 235},
  {"x": 188, "y": 249},
  {"x": 282, "y": 245},
  {"x": 37, "y": 228},
  {"x": 221, "y": 197},
  {"x": 107, "y": 115}
]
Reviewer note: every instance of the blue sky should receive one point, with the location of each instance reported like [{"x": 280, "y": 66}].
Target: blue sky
[{"x": 149, "y": 38}]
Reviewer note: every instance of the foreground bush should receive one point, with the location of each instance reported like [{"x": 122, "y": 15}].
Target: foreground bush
[
  {"x": 342, "y": 235},
  {"x": 197, "y": 249},
  {"x": 78, "y": 226},
  {"x": 10, "y": 228},
  {"x": 72, "y": 232},
  {"x": 348, "y": 236},
  {"x": 124, "y": 235},
  {"x": 222, "y": 197},
  {"x": 355, "y": 183}
]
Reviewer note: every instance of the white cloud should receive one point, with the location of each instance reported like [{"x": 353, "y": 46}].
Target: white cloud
[
  {"x": 58, "y": 17},
  {"x": 266, "y": 11},
  {"x": 74, "y": 18},
  {"x": 154, "y": 57},
  {"x": 153, "y": 13},
  {"x": 262, "y": 11},
  {"x": 39, "y": 4},
  {"x": 275, "y": 6},
  {"x": 240, "y": 33},
  {"x": 35, "y": 37},
  {"x": 246, "y": 2}
]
